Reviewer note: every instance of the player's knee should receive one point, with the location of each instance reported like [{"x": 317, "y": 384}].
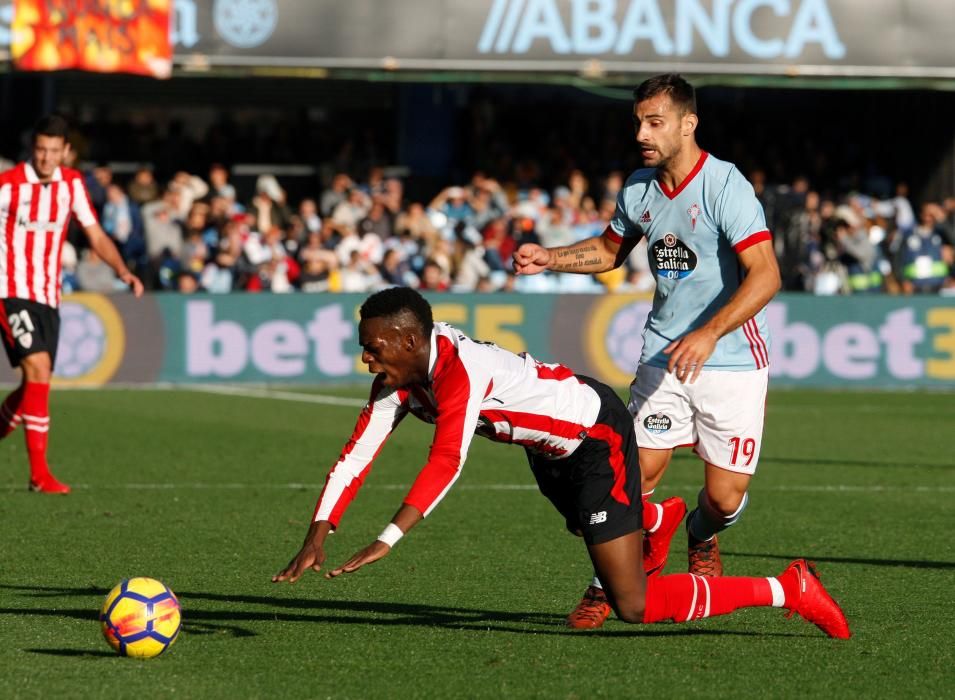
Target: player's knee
[
  {"x": 630, "y": 611},
  {"x": 37, "y": 371},
  {"x": 728, "y": 505}
]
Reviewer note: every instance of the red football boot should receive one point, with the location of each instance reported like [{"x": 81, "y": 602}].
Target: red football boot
[
  {"x": 656, "y": 544},
  {"x": 704, "y": 557},
  {"x": 48, "y": 484},
  {"x": 591, "y": 611},
  {"x": 813, "y": 603}
]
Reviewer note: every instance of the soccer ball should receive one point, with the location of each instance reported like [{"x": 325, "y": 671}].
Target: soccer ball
[{"x": 141, "y": 617}]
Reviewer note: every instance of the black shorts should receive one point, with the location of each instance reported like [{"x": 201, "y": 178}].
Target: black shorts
[
  {"x": 28, "y": 327},
  {"x": 597, "y": 488}
]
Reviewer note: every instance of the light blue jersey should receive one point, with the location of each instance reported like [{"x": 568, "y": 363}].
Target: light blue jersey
[{"x": 694, "y": 234}]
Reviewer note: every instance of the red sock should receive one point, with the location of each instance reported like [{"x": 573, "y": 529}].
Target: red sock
[
  {"x": 35, "y": 411},
  {"x": 652, "y": 513},
  {"x": 685, "y": 597},
  {"x": 10, "y": 412}
]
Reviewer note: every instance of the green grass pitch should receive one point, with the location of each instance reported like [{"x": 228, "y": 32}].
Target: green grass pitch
[{"x": 212, "y": 494}]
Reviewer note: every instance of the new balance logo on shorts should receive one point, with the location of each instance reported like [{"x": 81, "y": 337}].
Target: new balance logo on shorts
[{"x": 597, "y": 518}]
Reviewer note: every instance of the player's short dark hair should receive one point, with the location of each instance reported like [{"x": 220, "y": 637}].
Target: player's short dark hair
[
  {"x": 52, "y": 125},
  {"x": 680, "y": 92},
  {"x": 395, "y": 300}
]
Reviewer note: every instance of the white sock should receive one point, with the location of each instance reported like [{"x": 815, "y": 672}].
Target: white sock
[{"x": 779, "y": 598}]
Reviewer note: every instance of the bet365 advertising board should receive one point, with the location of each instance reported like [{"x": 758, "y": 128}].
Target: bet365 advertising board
[{"x": 312, "y": 339}]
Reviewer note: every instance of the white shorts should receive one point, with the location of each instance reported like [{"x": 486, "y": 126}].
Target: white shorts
[{"x": 721, "y": 414}]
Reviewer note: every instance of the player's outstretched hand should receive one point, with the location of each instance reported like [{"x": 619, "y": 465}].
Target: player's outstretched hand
[
  {"x": 530, "y": 258},
  {"x": 133, "y": 282},
  {"x": 311, "y": 556},
  {"x": 689, "y": 353},
  {"x": 373, "y": 552}
]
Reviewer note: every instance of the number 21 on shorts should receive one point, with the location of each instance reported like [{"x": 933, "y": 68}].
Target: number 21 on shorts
[{"x": 743, "y": 449}]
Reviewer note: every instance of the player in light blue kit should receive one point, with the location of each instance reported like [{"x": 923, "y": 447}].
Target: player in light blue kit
[{"x": 703, "y": 372}]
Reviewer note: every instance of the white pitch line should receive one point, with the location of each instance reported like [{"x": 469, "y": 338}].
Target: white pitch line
[
  {"x": 199, "y": 486},
  {"x": 251, "y": 393}
]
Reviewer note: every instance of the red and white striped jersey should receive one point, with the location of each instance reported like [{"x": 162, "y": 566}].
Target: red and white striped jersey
[
  {"x": 33, "y": 222},
  {"x": 474, "y": 388}
]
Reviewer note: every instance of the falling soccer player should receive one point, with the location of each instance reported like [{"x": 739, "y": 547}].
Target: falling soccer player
[{"x": 579, "y": 439}]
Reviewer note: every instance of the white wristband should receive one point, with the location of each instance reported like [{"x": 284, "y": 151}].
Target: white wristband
[{"x": 391, "y": 534}]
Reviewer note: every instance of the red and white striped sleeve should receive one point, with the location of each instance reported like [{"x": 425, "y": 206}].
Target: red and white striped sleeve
[
  {"x": 384, "y": 410},
  {"x": 458, "y": 392},
  {"x": 81, "y": 204}
]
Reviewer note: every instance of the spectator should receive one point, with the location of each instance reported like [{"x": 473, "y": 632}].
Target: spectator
[
  {"x": 94, "y": 275},
  {"x": 163, "y": 227},
  {"x": 924, "y": 255},
  {"x": 143, "y": 188},
  {"x": 317, "y": 264},
  {"x": 433, "y": 278},
  {"x": 219, "y": 185},
  {"x": 268, "y": 206},
  {"x": 358, "y": 275},
  {"x": 336, "y": 194},
  {"x": 308, "y": 212}
]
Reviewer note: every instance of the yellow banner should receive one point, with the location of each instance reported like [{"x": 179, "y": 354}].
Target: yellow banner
[{"x": 106, "y": 36}]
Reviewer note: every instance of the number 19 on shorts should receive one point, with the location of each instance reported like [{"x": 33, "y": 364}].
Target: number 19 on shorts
[{"x": 744, "y": 449}]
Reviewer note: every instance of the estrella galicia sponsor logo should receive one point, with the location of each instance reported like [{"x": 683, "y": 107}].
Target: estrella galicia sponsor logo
[
  {"x": 657, "y": 423},
  {"x": 245, "y": 23},
  {"x": 672, "y": 259}
]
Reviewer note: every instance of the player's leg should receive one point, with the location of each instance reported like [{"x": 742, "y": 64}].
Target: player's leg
[
  {"x": 618, "y": 564},
  {"x": 660, "y": 520},
  {"x": 10, "y": 412},
  {"x": 662, "y": 420},
  {"x": 605, "y": 492},
  {"x": 729, "y": 412},
  {"x": 720, "y": 504},
  {"x": 10, "y": 408},
  {"x": 35, "y": 411},
  {"x": 685, "y": 597},
  {"x": 36, "y": 328},
  {"x": 554, "y": 482}
]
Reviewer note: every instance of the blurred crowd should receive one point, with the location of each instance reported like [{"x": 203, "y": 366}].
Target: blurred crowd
[
  {"x": 860, "y": 243},
  {"x": 195, "y": 233}
]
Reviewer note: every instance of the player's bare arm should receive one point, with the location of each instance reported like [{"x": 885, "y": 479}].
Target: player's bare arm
[
  {"x": 106, "y": 249},
  {"x": 310, "y": 556},
  {"x": 405, "y": 519},
  {"x": 689, "y": 353},
  {"x": 592, "y": 255}
]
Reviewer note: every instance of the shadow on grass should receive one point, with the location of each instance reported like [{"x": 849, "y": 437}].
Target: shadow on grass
[
  {"x": 200, "y": 620},
  {"x": 74, "y": 652},
  {"x": 897, "y": 563},
  {"x": 688, "y": 456}
]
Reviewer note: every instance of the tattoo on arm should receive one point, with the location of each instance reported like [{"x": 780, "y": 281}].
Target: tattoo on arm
[{"x": 576, "y": 251}]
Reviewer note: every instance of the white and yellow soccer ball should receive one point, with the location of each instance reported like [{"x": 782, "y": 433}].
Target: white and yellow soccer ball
[{"x": 141, "y": 617}]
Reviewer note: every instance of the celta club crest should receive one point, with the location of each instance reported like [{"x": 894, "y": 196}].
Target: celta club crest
[
  {"x": 245, "y": 24},
  {"x": 694, "y": 212}
]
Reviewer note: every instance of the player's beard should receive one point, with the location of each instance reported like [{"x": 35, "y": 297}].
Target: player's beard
[{"x": 665, "y": 157}]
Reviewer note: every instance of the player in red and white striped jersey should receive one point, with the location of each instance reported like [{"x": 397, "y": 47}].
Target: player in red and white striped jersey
[
  {"x": 582, "y": 449},
  {"x": 37, "y": 200}
]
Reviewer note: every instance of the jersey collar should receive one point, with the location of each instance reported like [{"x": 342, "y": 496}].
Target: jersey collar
[
  {"x": 433, "y": 354},
  {"x": 33, "y": 178},
  {"x": 686, "y": 181}
]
